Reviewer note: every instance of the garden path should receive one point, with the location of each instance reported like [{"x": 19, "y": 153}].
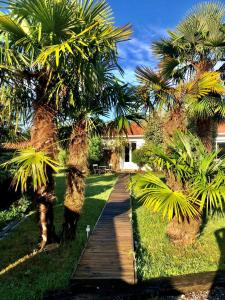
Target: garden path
[{"x": 109, "y": 253}]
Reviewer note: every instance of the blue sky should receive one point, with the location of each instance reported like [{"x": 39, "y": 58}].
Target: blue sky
[{"x": 150, "y": 20}]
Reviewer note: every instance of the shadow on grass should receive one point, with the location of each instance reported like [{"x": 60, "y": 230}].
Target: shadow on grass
[
  {"x": 219, "y": 277},
  {"x": 179, "y": 284},
  {"x": 92, "y": 183},
  {"x": 206, "y": 218},
  {"x": 22, "y": 267},
  {"x": 24, "y": 275},
  {"x": 153, "y": 288}
]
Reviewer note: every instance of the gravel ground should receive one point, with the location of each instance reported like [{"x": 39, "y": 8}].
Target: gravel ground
[{"x": 215, "y": 294}]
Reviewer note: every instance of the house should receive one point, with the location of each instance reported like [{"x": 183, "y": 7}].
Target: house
[
  {"x": 220, "y": 139},
  {"x": 119, "y": 150},
  {"x": 135, "y": 139},
  {"x": 120, "y": 156}
]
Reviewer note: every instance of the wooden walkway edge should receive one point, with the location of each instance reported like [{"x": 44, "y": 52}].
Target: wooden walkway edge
[{"x": 109, "y": 253}]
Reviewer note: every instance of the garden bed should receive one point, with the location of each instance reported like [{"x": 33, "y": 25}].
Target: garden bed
[
  {"x": 157, "y": 257},
  {"x": 31, "y": 276}
]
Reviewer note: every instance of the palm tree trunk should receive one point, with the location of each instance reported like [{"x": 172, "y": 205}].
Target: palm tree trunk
[
  {"x": 77, "y": 163},
  {"x": 115, "y": 159},
  {"x": 184, "y": 232},
  {"x": 43, "y": 137},
  {"x": 175, "y": 120},
  {"x": 205, "y": 129}
]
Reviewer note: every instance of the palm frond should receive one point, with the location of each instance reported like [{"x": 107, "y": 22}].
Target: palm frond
[
  {"x": 206, "y": 83},
  {"x": 158, "y": 197},
  {"x": 33, "y": 164}
]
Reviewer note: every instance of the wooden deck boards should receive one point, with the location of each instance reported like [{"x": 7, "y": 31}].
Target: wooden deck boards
[{"x": 109, "y": 251}]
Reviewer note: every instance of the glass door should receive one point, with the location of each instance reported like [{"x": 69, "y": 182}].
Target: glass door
[{"x": 128, "y": 150}]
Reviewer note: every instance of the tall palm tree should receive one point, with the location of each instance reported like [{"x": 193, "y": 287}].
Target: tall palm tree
[
  {"x": 195, "y": 46},
  {"x": 43, "y": 44},
  {"x": 113, "y": 98}
]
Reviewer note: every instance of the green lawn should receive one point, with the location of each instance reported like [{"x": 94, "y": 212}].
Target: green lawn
[
  {"x": 156, "y": 256},
  {"x": 32, "y": 276}
]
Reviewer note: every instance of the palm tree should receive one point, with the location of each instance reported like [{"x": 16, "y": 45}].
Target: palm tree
[
  {"x": 199, "y": 188},
  {"x": 196, "y": 45},
  {"x": 116, "y": 98},
  {"x": 77, "y": 169},
  {"x": 43, "y": 44},
  {"x": 183, "y": 99}
]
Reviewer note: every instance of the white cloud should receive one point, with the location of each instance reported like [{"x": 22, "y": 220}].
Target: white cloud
[{"x": 137, "y": 51}]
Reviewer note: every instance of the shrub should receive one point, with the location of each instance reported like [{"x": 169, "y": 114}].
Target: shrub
[
  {"x": 139, "y": 156},
  {"x": 95, "y": 151},
  {"x": 16, "y": 211},
  {"x": 153, "y": 136},
  {"x": 144, "y": 155},
  {"x": 153, "y": 129}
]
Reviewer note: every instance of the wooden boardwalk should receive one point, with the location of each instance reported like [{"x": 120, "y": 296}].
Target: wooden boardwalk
[{"x": 109, "y": 254}]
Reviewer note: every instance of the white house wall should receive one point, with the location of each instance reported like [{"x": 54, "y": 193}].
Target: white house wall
[
  {"x": 220, "y": 139},
  {"x": 139, "y": 140}
]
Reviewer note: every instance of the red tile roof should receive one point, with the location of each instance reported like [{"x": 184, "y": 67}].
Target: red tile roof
[
  {"x": 135, "y": 129},
  {"x": 221, "y": 128}
]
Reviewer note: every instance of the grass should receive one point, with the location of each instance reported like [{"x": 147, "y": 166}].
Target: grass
[
  {"x": 31, "y": 276},
  {"x": 157, "y": 257}
]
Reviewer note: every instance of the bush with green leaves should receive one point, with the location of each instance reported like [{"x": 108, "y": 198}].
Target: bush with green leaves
[
  {"x": 16, "y": 211},
  {"x": 152, "y": 135},
  {"x": 95, "y": 151},
  {"x": 153, "y": 129},
  {"x": 141, "y": 156},
  {"x": 194, "y": 180}
]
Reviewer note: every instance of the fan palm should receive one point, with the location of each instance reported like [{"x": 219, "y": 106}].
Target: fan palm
[
  {"x": 183, "y": 99},
  {"x": 114, "y": 98},
  {"x": 199, "y": 184},
  {"x": 197, "y": 43},
  {"x": 195, "y": 46},
  {"x": 45, "y": 43}
]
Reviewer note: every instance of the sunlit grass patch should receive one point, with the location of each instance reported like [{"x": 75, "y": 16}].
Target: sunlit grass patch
[{"x": 157, "y": 257}]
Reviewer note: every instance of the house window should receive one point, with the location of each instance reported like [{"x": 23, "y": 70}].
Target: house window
[
  {"x": 127, "y": 153},
  {"x": 221, "y": 147}
]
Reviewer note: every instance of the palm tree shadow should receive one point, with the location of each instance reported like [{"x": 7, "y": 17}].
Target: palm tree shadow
[
  {"x": 218, "y": 280},
  {"x": 157, "y": 288},
  {"x": 204, "y": 223}
]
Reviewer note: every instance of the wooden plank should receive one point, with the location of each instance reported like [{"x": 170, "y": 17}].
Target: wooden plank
[{"x": 109, "y": 251}]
